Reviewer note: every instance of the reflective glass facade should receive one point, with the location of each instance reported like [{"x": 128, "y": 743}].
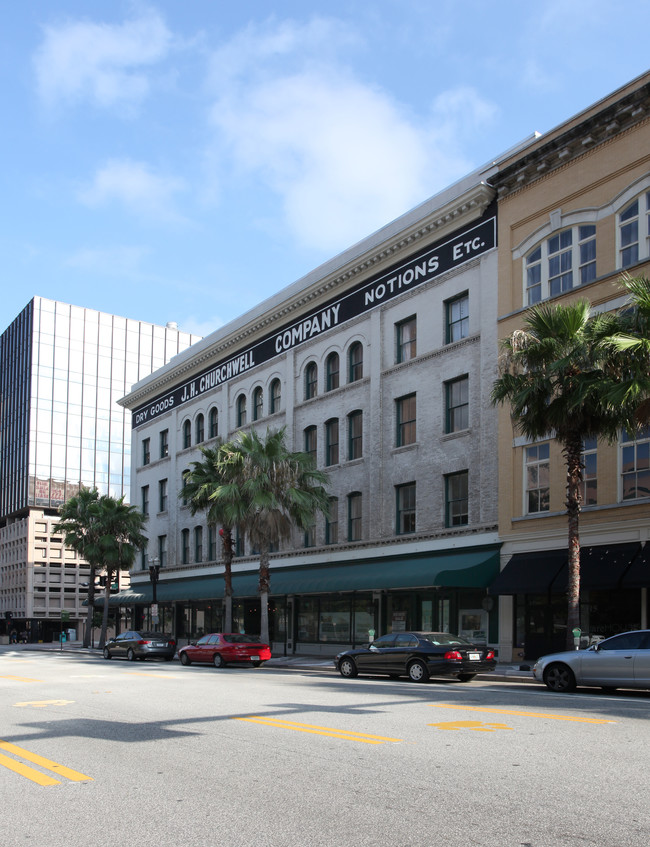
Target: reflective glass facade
[{"x": 63, "y": 370}]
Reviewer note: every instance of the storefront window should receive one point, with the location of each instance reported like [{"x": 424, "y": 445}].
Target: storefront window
[
  {"x": 334, "y": 620},
  {"x": 364, "y": 620},
  {"x": 308, "y": 619}
]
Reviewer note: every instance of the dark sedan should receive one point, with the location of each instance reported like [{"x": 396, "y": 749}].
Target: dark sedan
[
  {"x": 133, "y": 645},
  {"x": 418, "y": 655}
]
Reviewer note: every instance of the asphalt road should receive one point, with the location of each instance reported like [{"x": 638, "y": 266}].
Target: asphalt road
[{"x": 111, "y": 753}]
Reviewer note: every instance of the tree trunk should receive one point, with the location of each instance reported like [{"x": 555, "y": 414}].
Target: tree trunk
[
  {"x": 226, "y": 540},
  {"x": 107, "y": 597},
  {"x": 573, "y": 455},
  {"x": 264, "y": 594},
  {"x": 91, "y": 608}
]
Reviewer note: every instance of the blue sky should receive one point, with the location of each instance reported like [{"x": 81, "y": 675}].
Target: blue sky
[{"x": 185, "y": 159}]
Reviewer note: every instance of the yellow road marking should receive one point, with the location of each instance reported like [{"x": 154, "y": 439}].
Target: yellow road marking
[
  {"x": 39, "y": 704},
  {"x": 363, "y": 737},
  {"x": 21, "y": 678},
  {"x": 476, "y": 726},
  {"x": 30, "y": 773},
  {"x": 521, "y": 714}
]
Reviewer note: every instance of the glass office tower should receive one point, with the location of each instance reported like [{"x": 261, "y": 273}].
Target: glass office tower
[{"x": 62, "y": 370}]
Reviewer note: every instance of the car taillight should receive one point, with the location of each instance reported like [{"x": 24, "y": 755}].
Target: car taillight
[
  {"x": 142, "y": 642},
  {"x": 490, "y": 654},
  {"x": 454, "y": 655},
  {"x": 172, "y": 643}
]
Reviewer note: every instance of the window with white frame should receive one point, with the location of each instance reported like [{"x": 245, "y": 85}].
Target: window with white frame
[
  {"x": 457, "y": 318},
  {"x": 564, "y": 261},
  {"x": 635, "y": 465},
  {"x": 634, "y": 232},
  {"x": 457, "y": 499},
  {"x": 457, "y": 404},
  {"x": 275, "y": 403},
  {"x": 405, "y": 508},
  {"x": 406, "y": 340},
  {"x": 537, "y": 477},
  {"x": 589, "y": 461},
  {"x": 258, "y": 404}
]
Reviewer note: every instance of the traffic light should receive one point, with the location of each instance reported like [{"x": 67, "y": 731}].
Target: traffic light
[{"x": 8, "y": 616}]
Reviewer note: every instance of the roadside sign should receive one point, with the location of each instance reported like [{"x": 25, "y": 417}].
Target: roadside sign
[{"x": 65, "y": 616}]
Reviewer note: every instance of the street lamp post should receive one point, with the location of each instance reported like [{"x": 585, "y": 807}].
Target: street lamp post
[{"x": 154, "y": 575}]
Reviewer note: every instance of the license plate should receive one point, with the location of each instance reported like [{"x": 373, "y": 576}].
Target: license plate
[
  {"x": 254, "y": 658},
  {"x": 474, "y": 657},
  {"x": 159, "y": 644}
]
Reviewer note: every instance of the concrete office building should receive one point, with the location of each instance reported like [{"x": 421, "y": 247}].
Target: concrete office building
[
  {"x": 62, "y": 370},
  {"x": 380, "y": 363}
]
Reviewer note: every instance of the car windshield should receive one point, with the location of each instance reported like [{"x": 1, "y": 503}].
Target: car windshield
[
  {"x": 242, "y": 639},
  {"x": 445, "y": 638}
]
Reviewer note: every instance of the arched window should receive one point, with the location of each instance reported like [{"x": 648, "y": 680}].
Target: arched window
[
  {"x": 311, "y": 441},
  {"x": 634, "y": 231},
  {"x": 276, "y": 397},
  {"x": 200, "y": 429},
  {"x": 332, "y": 372},
  {"x": 355, "y": 360},
  {"x": 187, "y": 435},
  {"x": 214, "y": 422},
  {"x": 258, "y": 404},
  {"x": 311, "y": 380},
  {"x": 241, "y": 410}
]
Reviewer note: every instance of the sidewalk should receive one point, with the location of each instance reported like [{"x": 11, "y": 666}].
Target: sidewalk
[{"x": 503, "y": 672}]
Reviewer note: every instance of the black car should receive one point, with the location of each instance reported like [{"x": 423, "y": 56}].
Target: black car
[
  {"x": 133, "y": 645},
  {"x": 418, "y": 655}
]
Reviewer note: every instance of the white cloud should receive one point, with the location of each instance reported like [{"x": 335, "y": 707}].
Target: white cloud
[
  {"x": 137, "y": 188},
  {"x": 101, "y": 63},
  {"x": 342, "y": 156}
]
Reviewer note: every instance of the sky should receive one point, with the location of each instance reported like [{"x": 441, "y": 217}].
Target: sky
[{"x": 183, "y": 160}]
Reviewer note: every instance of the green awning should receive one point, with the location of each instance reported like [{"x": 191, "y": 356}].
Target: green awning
[{"x": 469, "y": 568}]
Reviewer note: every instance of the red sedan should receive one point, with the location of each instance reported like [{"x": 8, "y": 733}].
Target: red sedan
[{"x": 221, "y": 649}]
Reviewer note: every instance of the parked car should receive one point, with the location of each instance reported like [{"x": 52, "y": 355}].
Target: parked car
[
  {"x": 622, "y": 661},
  {"x": 418, "y": 655},
  {"x": 224, "y": 648},
  {"x": 133, "y": 645}
]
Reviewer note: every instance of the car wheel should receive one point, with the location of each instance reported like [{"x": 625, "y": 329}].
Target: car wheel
[
  {"x": 418, "y": 672},
  {"x": 217, "y": 661},
  {"x": 185, "y": 659},
  {"x": 106, "y": 653},
  {"x": 465, "y": 677},
  {"x": 131, "y": 655},
  {"x": 559, "y": 677},
  {"x": 347, "y": 668}
]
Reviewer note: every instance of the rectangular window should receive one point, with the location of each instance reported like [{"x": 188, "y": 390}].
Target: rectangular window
[
  {"x": 537, "y": 472},
  {"x": 406, "y": 337},
  {"x": 332, "y": 442},
  {"x": 560, "y": 275},
  {"x": 587, "y": 246},
  {"x": 145, "y": 500},
  {"x": 162, "y": 550},
  {"x": 457, "y": 318},
  {"x": 405, "y": 508},
  {"x": 635, "y": 465},
  {"x": 185, "y": 547},
  {"x": 162, "y": 495},
  {"x": 354, "y": 517},
  {"x": 146, "y": 451},
  {"x": 164, "y": 443},
  {"x": 590, "y": 472},
  {"x": 457, "y": 404},
  {"x": 355, "y": 435},
  {"x": 332, "y": 522},
  {"x": 456, "y": 499},
  {"x": 405, "y": 414},
  {"x": 629, "y": 235},
  {"x": 310, "y": 536},
  {"x": 198, "y": 544},
  {"x": 212, "y": 544}
]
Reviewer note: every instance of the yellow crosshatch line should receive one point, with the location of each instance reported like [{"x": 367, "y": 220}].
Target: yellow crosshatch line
[
  {"x": 521, "y": 714},
  {"x": 475, "y": 726},
  {"x": 20, "y": 678},
  {"x": 31, "y": 773},
  {"x": 362, "y": 737}
]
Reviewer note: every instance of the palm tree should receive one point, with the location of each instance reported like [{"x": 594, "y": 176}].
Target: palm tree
[
  {"x": 199, "y": 485},
  {"x": 271, "y": 491},
  {"x": 562, "y": 377},
  {"x": 121, "y": 538},
  {"x": 81, "y": 529}
]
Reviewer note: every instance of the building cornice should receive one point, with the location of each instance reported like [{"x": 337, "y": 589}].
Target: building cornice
[
  {"x": 398, "y": 242},
  {"x": 596, "y": 130}
]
